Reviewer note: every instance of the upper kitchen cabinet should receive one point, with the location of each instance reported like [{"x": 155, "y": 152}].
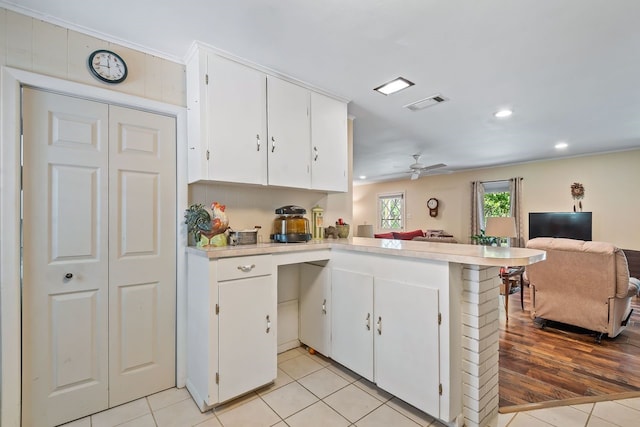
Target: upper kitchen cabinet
[
  {"x": 227, "y": 121},
  {"x": 289, "y": 134},
  {"x": 329, "y": 156},
  {"x": 248, "y": 126}
]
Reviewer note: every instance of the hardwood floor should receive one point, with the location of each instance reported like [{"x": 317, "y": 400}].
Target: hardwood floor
[{"x": 561, "y": 362}]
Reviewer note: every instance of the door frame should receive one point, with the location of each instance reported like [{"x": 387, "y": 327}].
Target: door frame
[{"x": 11, "y": 80}]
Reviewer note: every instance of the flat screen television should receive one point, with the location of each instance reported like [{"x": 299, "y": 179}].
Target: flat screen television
[{"x": 570, "y": 225}]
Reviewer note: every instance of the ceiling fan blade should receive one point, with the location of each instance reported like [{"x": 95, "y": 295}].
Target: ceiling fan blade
[{"x": 431, "y": 167}]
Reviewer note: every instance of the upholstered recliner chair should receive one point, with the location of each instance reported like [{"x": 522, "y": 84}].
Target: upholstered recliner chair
[{"x": 585, "y": 284}]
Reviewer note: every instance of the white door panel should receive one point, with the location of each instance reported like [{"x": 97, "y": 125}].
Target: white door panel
[
  {"x": 247, "y": 335},
  {"x": 408, "y": 324},
  {"x": 98, "y": 286},
  {"x": 65, "y": 324},
  {"x": 352, "y": 321},
  {"x": 142, "y": 276}
]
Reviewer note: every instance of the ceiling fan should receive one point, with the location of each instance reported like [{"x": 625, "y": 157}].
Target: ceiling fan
[{"x": 417, "y": 169}]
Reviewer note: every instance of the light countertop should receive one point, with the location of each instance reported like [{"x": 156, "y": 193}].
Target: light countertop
[{"x": 451, "y": 252}]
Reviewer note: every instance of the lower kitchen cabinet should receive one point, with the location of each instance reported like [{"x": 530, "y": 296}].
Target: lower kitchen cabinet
[
  {"x": 387, "y": 331},
  {"x": 406, "y": 342},
  {"x": 247, "y": 335},
  {"x": 315, "y": 307},
  {"x": 352, "y": 320},
  {"x": 231, "y": 327}
]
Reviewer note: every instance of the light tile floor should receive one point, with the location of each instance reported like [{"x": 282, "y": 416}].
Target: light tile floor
[{"x": 312, "y": 391}]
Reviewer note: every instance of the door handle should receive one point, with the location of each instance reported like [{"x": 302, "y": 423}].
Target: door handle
[
  {"x": 315, "y": 157},
  {"x": 324, "y": 307},
  {"x": 368, "y": 324},
  {"x": 258, "y": 142},
  {"x": 268, "y": 324},
  {"x": 273, "y": 144},
  {"x": 379, "y": 325}
]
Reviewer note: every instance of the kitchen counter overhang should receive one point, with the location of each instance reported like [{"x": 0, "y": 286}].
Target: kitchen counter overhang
[{"x": 451, "y": 252}]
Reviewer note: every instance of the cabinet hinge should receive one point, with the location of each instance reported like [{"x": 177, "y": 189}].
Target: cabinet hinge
[
  {"x": 206, "y": 79},
  {"x": 207, "y": 154},
  {"x": 439, "y": 389},
  {"x": 439, "y": 318},
  {"x": 217, "y": 309},
  {"x": 218, "y": 379}
]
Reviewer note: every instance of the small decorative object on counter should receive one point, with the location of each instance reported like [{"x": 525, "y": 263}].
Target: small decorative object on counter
[
  {"x": 577, "y": 192},
  {"x": 207, "y": 225},
  {"x": 343, "y": 228},
  {"x": 318, "y": 228},
  {"x": 331, "y": 231}
]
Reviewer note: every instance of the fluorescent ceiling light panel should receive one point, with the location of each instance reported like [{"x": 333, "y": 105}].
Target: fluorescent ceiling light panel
[{"x": 395, "y": 85}]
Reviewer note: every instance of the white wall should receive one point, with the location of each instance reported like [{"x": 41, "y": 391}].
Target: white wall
[
  {"x": 34, "y": 45},
  {"x": 610, "y": 182}
]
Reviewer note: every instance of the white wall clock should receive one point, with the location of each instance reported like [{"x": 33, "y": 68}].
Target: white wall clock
[{"x": 107, "y": 66}]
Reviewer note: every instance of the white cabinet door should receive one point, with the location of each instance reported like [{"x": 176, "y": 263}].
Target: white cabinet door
[
  {"x": 329, "y": 156},
  {"x": 237, "y": 120},
  {"x": 406, "y": 343},
  {"x": 352, "y": 321},
  {"x": 289, "y": 134},
  {"x": 247, "y": 335},
  {"x": 315, "y": 308}
]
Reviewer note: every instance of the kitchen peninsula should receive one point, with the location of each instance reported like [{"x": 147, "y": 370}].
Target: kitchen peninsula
[{"x": 419, "y": 319}]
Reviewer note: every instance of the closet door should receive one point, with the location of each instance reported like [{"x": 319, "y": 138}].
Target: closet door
[
  {"x": 65, "y": 267},
  {"x": 142, "y": 254},
  {"x": 99, "y": 259}
]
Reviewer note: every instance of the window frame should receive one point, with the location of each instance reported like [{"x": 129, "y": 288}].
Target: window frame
[{"x": 391, "y": 195}]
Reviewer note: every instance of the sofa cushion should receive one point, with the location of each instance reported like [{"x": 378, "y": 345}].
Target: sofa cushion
[
  {"x": 408, "y": 235},
  {"x": 383, "y": 235}
]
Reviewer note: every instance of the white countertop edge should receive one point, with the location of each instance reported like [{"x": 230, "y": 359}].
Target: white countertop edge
[{"x": 451, "y": 252}]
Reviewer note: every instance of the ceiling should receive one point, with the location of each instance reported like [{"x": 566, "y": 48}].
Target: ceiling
[{"x": 568, "y": 69}]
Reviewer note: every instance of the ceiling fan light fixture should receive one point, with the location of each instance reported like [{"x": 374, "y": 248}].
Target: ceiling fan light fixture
[
  {"x": 395, "y": 85},
  {"x": 561, "y": 145}
]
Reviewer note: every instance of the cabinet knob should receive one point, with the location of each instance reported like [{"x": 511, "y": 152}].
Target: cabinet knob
[
  {"x": 246, "y": 268},
  {"x": 268, "y": 324},
  {"x": 68, "y": 276}
]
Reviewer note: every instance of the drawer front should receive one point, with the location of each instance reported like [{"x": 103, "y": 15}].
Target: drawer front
[{"x": 242, "y": 267}]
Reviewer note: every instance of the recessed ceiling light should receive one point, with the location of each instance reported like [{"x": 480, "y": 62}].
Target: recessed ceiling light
[
  {"x": 394, "y": 86},
  {"x": 363, "y": 177},
  {"x": 561, "y": 145},
  {"x": 503, "y": 113}
]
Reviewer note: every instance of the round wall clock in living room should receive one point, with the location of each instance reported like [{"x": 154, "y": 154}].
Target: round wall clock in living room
[{"x": 107, "y": 66}]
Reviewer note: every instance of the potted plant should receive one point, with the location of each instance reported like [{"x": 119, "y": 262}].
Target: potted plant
[{"x": 483, "y": 239}]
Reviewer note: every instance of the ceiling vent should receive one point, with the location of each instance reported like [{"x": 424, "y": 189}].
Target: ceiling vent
[{"x": 426, "y": 102}]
